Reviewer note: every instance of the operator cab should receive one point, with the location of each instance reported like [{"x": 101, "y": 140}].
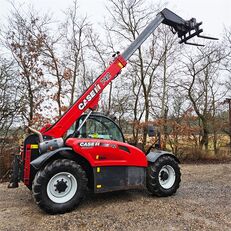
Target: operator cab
[{"x": 97, "y": 126}]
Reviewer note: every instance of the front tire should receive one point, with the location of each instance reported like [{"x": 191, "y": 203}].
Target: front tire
[
  {"x": 163, "y": 176},
  {"x": 60, "y": 186}
]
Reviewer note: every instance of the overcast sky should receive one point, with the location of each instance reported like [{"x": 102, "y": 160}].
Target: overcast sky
[{"x": 215, "y": 14}]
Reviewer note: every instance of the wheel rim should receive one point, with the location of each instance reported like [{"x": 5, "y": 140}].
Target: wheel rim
[
  {"x": 167, "y": 176},
  {"x": 62, "y": 187}
]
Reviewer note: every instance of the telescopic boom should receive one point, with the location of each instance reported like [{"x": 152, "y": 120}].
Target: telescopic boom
[{"x": 90, "y": 98}]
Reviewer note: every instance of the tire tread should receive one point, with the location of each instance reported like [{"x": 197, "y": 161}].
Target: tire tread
[
  {"x": 41, "y": 177},
  {"x": 153, "y": 184}
]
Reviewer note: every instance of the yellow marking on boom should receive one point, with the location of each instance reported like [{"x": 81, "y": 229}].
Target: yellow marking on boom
[{"x": 120, "y": 65}]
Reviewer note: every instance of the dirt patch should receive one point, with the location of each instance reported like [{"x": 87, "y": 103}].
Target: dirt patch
[{"x": 203, "y": 202}]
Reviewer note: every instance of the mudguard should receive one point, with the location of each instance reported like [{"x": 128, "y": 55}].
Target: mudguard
[
  {"x": 153, "y": 156},
  {"x": 37, "y": 163}
]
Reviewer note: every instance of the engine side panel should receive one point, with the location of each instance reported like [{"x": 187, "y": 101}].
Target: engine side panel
[{"x": 101, "y": 152}]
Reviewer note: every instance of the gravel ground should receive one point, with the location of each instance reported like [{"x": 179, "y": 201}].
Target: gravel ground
[{"x": 203, "y": 202}]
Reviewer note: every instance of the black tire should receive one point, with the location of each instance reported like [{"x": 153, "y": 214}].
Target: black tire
[
  {"x": 60, "y": 186},
  {"x": 163, "y": 176}
]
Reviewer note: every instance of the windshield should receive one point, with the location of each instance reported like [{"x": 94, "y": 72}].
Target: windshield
[{"x": 100, "y": 127}]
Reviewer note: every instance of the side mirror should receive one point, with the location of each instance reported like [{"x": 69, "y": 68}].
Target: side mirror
[{"x": 151, "y": 131}]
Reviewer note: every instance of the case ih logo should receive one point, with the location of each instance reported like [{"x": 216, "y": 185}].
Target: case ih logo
[
  {"x": 89, "y": 97},
  {"x": 96, "y": 144},
  {"x": 89, "y": 144}
]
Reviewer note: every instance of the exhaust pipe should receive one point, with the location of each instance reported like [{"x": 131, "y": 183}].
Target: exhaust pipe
[
  {"x": 48, "y": 145},
  {"x": 38, "y": 133}
]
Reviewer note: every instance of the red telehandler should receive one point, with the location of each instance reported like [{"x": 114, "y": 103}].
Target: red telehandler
[{"x": 95, "y": 155}]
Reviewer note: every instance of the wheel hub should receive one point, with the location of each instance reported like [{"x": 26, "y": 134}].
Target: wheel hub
[
  {"x": 61, "y": 186},
  {"x": 164, "y": 175},
  {"x": 167, "y": 176}
]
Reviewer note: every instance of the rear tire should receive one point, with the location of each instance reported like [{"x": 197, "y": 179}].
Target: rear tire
[
  {"x": 163, "y": 176},
  {"x": 60, "y": 186}
]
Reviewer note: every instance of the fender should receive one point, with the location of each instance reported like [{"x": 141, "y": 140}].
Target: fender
[
  {"x": 38, "y": 162},
  {"x": 153, "y": 156}
]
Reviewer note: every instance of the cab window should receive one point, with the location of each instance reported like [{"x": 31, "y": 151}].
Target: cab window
[{"x": 99, "y": 127}]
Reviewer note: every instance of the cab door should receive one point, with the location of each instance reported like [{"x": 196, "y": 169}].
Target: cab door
[{"x": 100, "y": 127}]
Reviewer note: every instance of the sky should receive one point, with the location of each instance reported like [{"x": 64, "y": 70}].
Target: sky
[{"x": 214, "y": 14}]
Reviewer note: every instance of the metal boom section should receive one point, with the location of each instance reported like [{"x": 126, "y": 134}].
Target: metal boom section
[{"x": 143, "y": 36}]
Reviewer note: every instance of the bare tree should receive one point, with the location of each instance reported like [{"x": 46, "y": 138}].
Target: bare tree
[
  {"x": 102, "y": 52},
  {"x": 128, "y": 18},
  {"x": 53, "y": 63},
  {"x": 9, "y": 99},
  {"x": 10, "y": 105},
  {"x": 201, "y": 84},
  {"x": 75, "y": 32},
  {"x": 227, "y": 61},
  {"x": 227, "y": 68},
  {"x": 164, "y": 86},
  {"x": 25, "y": 43}
]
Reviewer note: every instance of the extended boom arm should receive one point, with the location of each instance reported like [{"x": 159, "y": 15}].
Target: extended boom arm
[{"x": 90, "y": 98}]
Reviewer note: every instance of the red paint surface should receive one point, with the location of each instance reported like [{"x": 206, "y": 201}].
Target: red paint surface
[
  {"x": 26, "y": 176},
  {"x": 108, "y": 152}
]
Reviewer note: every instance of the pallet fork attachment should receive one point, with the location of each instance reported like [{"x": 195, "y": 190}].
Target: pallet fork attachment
[{"x": 183, "y": 28}]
